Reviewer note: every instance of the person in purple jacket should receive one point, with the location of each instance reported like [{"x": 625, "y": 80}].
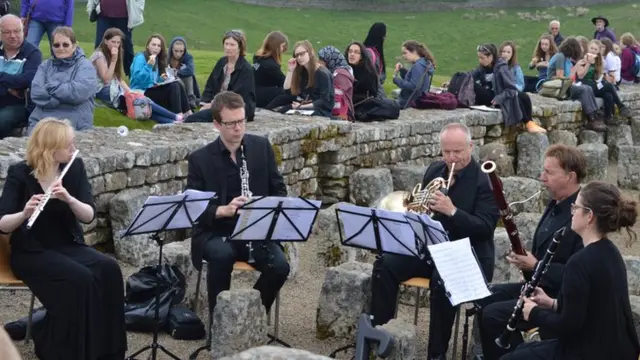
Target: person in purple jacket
[
  {"x": 602, "y": 29},
  {"x": 42, "y": 16}
]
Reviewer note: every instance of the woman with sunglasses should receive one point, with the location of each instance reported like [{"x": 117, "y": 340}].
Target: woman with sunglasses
[
  {"x": 65, "y": 84},
  {"x": 592, "y": 315},
  {"x": 231, "y": 73}
]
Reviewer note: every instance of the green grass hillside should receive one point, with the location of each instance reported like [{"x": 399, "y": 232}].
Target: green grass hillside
[{"x": 452, "y": 36}]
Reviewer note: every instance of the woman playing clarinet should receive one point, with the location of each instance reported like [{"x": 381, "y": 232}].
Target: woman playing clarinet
[
  {"x": 592, "y": 315},
  {"x": 81, "y": 289}
]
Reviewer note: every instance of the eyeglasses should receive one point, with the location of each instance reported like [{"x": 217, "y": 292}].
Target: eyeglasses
[
  {"x": 300, "y": 54},
  {"x": 232, "y": 124},
  {"x": 64, "y": 45},
  {"x": 575, "y": 207}
]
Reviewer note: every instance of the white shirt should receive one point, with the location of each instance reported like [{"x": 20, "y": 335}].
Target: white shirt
[{"x": 612, "y": 63}]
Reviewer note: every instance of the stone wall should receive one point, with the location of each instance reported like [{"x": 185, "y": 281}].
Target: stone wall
[
  {"x": 424, "y": 5},
  {"x": 316, "y": 156}
]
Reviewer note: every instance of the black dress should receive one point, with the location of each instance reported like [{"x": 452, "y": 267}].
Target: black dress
[{"x": 81, "y": 288}]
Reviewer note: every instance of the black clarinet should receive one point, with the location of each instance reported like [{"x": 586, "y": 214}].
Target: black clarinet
[{"x": 504, "y": 340}]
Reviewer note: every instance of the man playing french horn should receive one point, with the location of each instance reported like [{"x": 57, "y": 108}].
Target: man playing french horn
[
  {"x": 468, "y": 209},
  {"x": 223, "y": 166},
  {"x": 564, "y": 169}
]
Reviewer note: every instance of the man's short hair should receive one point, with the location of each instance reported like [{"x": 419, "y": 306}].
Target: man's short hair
[
  {"x": 225, "y": 100},
  {"x": 456, "y": 125},
  {"x": 6, "y": 17},
  {"x": 554, "y": 22},
  {"x": 570, "y": 159}
]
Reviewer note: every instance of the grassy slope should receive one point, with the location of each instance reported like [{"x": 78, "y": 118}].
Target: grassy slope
[{"x": 450, "y": 36}]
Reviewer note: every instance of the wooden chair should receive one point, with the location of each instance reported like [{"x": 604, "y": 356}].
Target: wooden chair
[{"x": 8, "y": 281}]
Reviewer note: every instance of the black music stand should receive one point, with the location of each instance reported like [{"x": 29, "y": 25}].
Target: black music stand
[
  {"x": 265, "y": 219},
  {"x": 158, "y": 214},
  {"x": 386, "y": 232}
]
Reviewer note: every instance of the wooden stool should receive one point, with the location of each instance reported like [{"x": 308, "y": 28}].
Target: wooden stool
[{"x": 9, "y": 282}]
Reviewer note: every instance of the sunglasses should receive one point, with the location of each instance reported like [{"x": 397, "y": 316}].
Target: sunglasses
[
  {"x": 483, "y": 49},
  {"x": 236, "y": 33},
  {"x": 64, "y": 45}
]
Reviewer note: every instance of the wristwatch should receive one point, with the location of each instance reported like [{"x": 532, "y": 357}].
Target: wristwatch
[{"x": 453, "y": 212}]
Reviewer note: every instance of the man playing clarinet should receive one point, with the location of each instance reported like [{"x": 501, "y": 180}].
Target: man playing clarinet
[
  {"x": 564, "y": 168},
  {"x": 468, "y": 210},
  {"x": 223, "y": 167}
]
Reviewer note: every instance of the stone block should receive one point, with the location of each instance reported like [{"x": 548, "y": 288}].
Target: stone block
[
  {"x": 497, "y": 152},
  {"x": 527, "y": 222},
  {"x": 239, "y": 322},
  {"x": 368, "y": 185},
  {"x": 517, "y": 188},
  {"x": 632, "y": 264},
  {"x": 563, "y": 137},
  {"x": 404, "y": 339},
  {"x": 345, "y": 295},
  {"x": 635, "y": 311},
  {"x": 531, "y": 148},
  {"x": 629, "y": 167},
  {"x": 503, "y": 272},
  {"x": 275, "y": 353},
  {"x": 405, "y": 177},
  {"x": 617, "y": 136},
  {"x": 635, "y": 131},
  {"x": 597, "y": 161},
  {"x": 591, "y": 137},
  {"x": 326, "y": 236}
]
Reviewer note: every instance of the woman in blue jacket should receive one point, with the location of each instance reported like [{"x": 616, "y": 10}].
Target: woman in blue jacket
[
  {"x": 148, "y": 73},
  {"x": 416, "y": 81}
]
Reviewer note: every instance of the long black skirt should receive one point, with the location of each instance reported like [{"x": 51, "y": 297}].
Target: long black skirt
[{"x": 83, "y": 293}]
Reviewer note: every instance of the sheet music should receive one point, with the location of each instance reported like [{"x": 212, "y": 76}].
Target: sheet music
[
  {"x": 459, "y": 270},
  {"x": 351, "y": 224},
  {"x": 484, "y": 108},
  {"x": 196, "y": 204},
  {"x": 427, "y": 230},
  {"x": 300, "y": 112},
  {"x": 301, "y": 219}
]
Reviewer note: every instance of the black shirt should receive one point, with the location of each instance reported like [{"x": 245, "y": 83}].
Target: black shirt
[
  {"x": 554, "y": 219},
  {"x": 594, "y": 319}
]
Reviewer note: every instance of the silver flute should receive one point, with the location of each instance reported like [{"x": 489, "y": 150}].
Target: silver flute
[
  {"x": 49, "y": 192},
  {"x": 244, "y": 188}
]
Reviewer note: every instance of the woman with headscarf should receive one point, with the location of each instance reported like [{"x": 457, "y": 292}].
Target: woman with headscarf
[
  {"x": 343, "y": 78},
  {"x": 375, "y": 42}
]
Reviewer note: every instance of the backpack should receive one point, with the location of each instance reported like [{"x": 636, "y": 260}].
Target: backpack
[
  {"x": 5, "y": 7},
  {"x": 138, "y": 105},
  {"x": 373, "y": 54},
  {"x": 342, "y": 95},
  {"x": 461, "y": 86},
  {"x": 444, "y": 100},
  {"x": 636, "y": 64}
]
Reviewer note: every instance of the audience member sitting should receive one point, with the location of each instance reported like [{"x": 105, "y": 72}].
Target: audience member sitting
[
  {"x": 343, "y": 78},
  {"x": 545, "y": 49},
  {"x": 308, "y": 85},
  {"x": 612, "y": 62},
  {"x": 366, "y": 82},
  {"x": 375, "y": 42},
  {"x": 560, "y": 66},
  {"x": 416, "y": 81},
  {"x": 630, "y": 48},
  {"x": 65, "y": 84},
  {"x": 590, "y": 71},
  {"x": 584, "y": 44},
  {"x": 554, "y": 30},
  {"x": 602, "y": 29},
  {"x": 494, "y": 85},
  {"x": 267, "y": 70},
  {"x": 20, "y": 61},
  {"x": 107, "y": 59},
  {"x": 508, "y": 53},
  {"x": 181, "y": 67},
  {"x": 148, "y": 73},
  {"x": 231, "y": 73}
]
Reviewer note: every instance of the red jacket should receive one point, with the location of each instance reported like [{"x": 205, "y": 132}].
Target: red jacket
[{"x": 628, "y": 58}]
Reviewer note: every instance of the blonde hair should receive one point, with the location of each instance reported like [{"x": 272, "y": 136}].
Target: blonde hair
[
  {"x": 627, "y": 39},
  {"x": 48, "y": 136}
]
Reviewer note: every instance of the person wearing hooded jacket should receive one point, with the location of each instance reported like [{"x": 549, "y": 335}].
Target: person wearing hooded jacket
[
  {"x": 335, "y": 62},
  {"x": 65, "y": 84},
  {"x": 494, "y": 85},
  {"x": 181, "y": 65}
]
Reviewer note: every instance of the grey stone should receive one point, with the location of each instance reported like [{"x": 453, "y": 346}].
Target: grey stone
[
  {"x": 326, "y": 236},
  {"x": 404, "y": 339},
  {"x": 239, "y": 322},
  {"x": 497, "y": 152},
  {"x": 345, "y": 295},
  {"x": 527, "y": 223},
  {"x": 591, "y": 137},
  {"x": 518, "y": 189},
  {"x": 629, "y": 167},
  {"x": 531, "y": 148},
  {"x": 635, "y": 310},
  {"x": 405, "y": 177},
  {"x": 503, "y": 271},
  {"x": 275, "y": 353},
  {"x": 368, "y": 185},
  {"x": 635, "y": 131},
  {"x": 632, "y": 264},
  {"x": 618, "y": 136},
  {"x": 597, "y": 161},
  {"x": 563, "y": 137}
]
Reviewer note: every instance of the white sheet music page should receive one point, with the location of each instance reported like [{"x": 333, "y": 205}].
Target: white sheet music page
[
  {"x": 396, "y": 234},
  {"x": 196, "y": 204},
  {"x": 459, "y": 269},
  {"x": 301, "y": 214},
  {"x": 253, "y": 224},
  {"x": 354, "y": 221}
]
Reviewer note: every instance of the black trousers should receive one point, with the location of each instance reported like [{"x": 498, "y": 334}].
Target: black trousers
[
  {"x": 493, "y": 319},
  {"x": 83, "y": 292},
  {"x": 609, "y": 96},
  {"x": 172, "y": 97},
  {"x": 540, "y": 350},
  {"x": 269, "y": 260},
  {"x": 202, "y": 116}
]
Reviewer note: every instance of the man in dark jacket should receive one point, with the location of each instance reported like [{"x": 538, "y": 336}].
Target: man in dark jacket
[
  {"x": 468, "y": 210},
  {"x": 20, "y": 63}
]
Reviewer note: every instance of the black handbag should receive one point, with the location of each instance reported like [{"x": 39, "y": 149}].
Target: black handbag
[
  {"x": 93, "y": 17},
  {"x": 184, "y": 324}
]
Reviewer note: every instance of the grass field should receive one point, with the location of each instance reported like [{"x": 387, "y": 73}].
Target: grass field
[{"x": 452, "y": 36}]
